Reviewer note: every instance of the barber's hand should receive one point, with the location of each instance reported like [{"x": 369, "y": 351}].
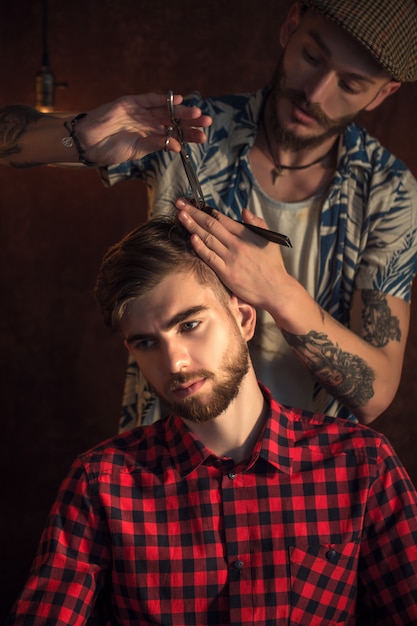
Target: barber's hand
[
  {"x": 133, "y": 126},
  {"x": 249, "y": 265}
]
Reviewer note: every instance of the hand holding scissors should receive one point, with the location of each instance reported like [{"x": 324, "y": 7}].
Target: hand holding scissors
[{"x": 198, "y": 198}]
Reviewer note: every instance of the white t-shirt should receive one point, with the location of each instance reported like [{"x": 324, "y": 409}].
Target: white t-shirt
[{"x": 275, "y": 363}]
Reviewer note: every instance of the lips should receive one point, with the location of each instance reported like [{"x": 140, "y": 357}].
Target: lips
[
  {"x": 187, "y": 389},
  {"x": 301, "y": 116}
]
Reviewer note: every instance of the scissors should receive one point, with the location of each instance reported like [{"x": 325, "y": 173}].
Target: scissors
[{"x": 198, "y": 198}]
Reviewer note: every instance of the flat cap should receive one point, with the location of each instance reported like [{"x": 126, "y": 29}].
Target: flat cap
[{"x": 387, "y": 28}]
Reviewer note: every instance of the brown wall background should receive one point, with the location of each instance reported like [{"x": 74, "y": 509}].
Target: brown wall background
[{"x": 61, "y": 371}]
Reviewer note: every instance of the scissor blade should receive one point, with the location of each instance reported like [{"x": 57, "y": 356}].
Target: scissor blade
[{"x": 192, "y": 178}]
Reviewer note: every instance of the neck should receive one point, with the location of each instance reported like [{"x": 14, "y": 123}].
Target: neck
[{"x": 234, "y": 433}]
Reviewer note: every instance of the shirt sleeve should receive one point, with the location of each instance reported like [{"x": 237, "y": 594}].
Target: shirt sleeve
[
  {"x": 389, "y": 261},
  {"x": 72, "y": 562},
  {"x": 388, "y": 561}
]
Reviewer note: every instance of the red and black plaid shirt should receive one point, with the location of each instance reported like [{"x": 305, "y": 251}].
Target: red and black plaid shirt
[{"x": 158, "y": 530}]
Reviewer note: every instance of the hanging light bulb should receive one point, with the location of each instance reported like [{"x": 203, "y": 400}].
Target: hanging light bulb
[
  {"x": 45, "y": 80},
  {"x": 45, "y": 89}
]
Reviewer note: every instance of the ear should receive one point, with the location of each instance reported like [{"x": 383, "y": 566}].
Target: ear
[
  {"x": 245, "y": 315},
  {"x": 291, "y": 22},
  {"x": 128, "y": 346},
  {"x": 384, "y": 93}
]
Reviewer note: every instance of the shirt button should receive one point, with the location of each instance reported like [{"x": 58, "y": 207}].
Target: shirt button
[
  {"x": 238, "y": 564},
  {"x": 232, "y": 475},
  {"x": 331, "y": 554},
  {"x": 242, "y": 186}
]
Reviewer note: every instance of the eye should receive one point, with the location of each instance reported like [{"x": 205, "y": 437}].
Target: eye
[
  {"x": 348, "y": 88},
  {"x": 186, "y": 327},
  {"x": 143, "y": 344},
  {"x": 310, "y": 57}
]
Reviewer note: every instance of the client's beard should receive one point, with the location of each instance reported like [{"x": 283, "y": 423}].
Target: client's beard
[{"x": 233, "y": 370}]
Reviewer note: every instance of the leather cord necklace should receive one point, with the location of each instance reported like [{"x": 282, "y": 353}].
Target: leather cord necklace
[{"x": 278, "y": 168}]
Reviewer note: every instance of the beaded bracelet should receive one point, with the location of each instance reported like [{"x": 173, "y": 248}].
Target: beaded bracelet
[{"x": 72, "y": 140}]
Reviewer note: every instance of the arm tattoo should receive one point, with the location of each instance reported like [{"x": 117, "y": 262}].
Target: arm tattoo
[
  {"x": 13, "y": 123},
  {"x": 379, "y": 326},
  {"x": 345, "y": 376}
]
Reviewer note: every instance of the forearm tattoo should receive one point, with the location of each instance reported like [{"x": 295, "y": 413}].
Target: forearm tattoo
[
  {"x": 13, "y": 123},
  {"x": 379, "y": 325},
  {"x": 345, "y": 376}
]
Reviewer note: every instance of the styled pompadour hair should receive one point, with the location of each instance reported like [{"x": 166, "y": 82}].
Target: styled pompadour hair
[{"x": 142, "y": 259}]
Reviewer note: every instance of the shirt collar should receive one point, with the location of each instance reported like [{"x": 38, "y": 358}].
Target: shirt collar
[
  {"x": 274, "y": 445},
  {"x": 246, "y": 125},
  {"x": 277, "y": 440}
]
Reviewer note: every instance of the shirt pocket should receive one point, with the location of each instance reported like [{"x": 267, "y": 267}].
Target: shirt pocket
[{"x": 323, "y": 581}]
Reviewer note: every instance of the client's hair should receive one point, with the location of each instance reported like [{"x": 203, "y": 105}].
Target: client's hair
[{"x": 142, "y": 259}]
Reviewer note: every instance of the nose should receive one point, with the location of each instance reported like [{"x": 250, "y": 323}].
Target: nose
[
  {"x": 318, "y": 88},
  {"x": 176, "y": 356}
]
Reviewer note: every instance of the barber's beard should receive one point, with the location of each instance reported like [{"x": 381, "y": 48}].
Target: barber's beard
[
  {"x": 225, "y": 387},
  {"x": 287, "y": 138}
]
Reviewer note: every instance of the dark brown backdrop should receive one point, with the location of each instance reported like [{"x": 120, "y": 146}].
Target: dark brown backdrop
[{"x": 61, "y": 371}]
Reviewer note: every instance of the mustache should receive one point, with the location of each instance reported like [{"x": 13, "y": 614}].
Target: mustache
[
  {"x": 182, "y": 379},
  {"x": 298, "y": 98}
]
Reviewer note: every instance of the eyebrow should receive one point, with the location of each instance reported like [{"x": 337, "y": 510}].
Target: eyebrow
[
  {"x": 315, "y": 35},
  {"x": 170, "y": 323}
]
